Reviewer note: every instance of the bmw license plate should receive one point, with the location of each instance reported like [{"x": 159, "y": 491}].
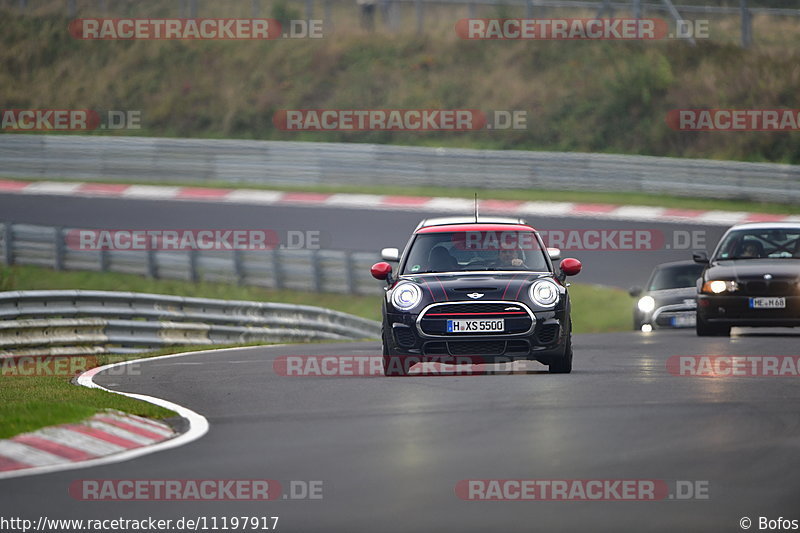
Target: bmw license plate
[
  {"x": 475, "y": 326},
  {"x": 768, "y": 303},
  {"x": 684, "y": 321}
]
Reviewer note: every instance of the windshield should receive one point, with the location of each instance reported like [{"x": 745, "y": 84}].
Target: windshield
[
  {"x": 758, "y": 244},
  {"x": 479, "y": 250},
  {"x": 675, "y": 277}
]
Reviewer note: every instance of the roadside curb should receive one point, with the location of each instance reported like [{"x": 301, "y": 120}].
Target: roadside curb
[
  {"x": 388, "y": 202},
  {"x": 192, "y": 426},
  {"x": 101, "y": 435}
]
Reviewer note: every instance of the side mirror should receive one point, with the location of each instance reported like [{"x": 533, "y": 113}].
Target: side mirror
[
  {"x": 390, "y": 254},
  {"x": 554, "y": 253},
  {"x": 570, "y": 266},
  {"x": 700, "y": 257},
  {"x": 381, "y": 270},
  {"x": 635, "y": 291}
]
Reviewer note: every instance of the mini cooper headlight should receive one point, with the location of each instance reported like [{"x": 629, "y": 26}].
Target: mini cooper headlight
[
  {"x": 544, "y": 293},
  {"x": 719, "y": 286},
  {"x": 406, "y": 296},
  {"x": 646, "y": 304}
]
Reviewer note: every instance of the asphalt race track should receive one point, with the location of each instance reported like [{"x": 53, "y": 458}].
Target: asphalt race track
[
  {"x": 390, "y": 451},
  {"x": 342, "y": 228}
]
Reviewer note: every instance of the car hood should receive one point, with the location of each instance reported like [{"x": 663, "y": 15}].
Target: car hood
[
  {"x": 674, "y": 296},
  {"x": 492, "y": 285},
  {"x": 744, "y": 269}
]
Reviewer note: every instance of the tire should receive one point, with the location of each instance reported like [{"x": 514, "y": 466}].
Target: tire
[
  {"x": 393, "y": 365},
  {"x": 563, "y": 364},
  {"x": 704, "y": 329}
]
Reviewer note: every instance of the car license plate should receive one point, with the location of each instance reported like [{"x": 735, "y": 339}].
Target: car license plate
[
  {"x": 768, "y": 303},
  {"x": 684, "y": 321},
  {"x": 475, "y": 326}
]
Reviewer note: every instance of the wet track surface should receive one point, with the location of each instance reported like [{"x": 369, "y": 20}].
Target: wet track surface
[{"x": 390, "y": 451}]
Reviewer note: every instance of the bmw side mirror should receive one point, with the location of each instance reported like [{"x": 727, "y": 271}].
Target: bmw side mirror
[{"x": 700, "y": 257}]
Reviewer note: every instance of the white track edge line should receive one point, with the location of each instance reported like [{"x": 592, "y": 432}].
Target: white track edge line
[{"x": 198, "y": 424}]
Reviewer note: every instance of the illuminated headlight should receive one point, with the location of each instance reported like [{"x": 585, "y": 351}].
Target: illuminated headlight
[
  {"x": 646, "y": 304},
  {"x": 544, "y": 293},
  {"x": 406, "y": 296},
  {"x": 719, "y": 286}
]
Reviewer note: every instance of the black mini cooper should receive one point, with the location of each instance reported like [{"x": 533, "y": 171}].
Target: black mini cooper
[
  {"x": 475, "y": 291},
  {"x": 752, "y": 279}
]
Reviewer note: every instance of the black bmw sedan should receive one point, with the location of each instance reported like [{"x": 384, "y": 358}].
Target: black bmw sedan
[{"x": 752, "y": 279}]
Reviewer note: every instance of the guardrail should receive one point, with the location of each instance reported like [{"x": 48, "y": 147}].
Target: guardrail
[
  {"x": 72, "y": 322},
  {"x": 143, "y": 159},
  {"x": 333, "y": 271}
]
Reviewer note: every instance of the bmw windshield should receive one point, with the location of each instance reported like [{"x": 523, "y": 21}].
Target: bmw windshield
[{"x": 760, "y": 244}]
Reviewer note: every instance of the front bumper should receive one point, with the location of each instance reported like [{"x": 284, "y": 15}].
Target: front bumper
[
  {"x": 735, "y": 310},
  {"x": 544, "y": 339},
  {"x": 674, "y": 316}
]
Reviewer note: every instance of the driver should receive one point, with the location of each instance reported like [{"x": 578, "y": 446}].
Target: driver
[{"x": 509, "y": 258}]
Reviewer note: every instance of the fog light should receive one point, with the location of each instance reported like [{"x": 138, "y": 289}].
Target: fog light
[{"x": 647, "y": 328}]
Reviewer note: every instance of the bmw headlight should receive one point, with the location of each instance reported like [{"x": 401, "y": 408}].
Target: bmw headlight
[
  {"x": 646, "y": 304},
  {"x": 406, "y": 296},
  {"x": 544, "y": 293},
  {"x": 718, "y": 286}
]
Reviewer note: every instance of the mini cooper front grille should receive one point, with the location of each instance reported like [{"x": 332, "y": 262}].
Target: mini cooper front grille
[
  {"x": 516, "y": 317},
  {"x": 477, "y": 308}
]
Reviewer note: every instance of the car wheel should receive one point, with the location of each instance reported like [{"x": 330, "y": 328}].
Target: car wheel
[
  {"x": 563, "y": 364},
  {"x": 704, "y": 329},
  {"x": 393, "y": 365}
]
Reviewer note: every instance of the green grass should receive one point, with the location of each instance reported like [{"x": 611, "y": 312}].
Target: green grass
[
  {"x": 30, "y": 403},
  {"x": 597, "y": 309}
]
